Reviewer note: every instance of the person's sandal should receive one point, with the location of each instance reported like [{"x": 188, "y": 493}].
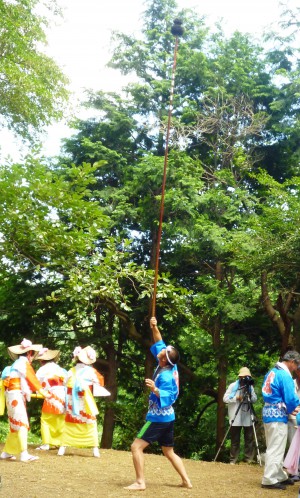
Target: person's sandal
[
  {"x": 7, "y": 456},
  {"x": 29, "y": 458}
]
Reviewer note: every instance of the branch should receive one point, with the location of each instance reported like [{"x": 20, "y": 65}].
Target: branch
[
  {"x": 269, "y": 308},
  {"x": 196, "y": 423},
  {"x": 137, "y": 337}
]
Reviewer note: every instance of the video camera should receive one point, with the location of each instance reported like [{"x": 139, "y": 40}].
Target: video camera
[{"x": 246, "y": 381}]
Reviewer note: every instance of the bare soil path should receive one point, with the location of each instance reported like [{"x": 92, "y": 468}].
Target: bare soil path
[{"x": 78, "y": 474}]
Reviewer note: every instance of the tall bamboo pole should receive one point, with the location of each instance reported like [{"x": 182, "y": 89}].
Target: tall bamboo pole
[{"x": 177, "y": 31}]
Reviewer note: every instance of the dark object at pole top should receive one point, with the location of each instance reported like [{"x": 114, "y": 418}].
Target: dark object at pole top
[{"x": 177, "y": 29}]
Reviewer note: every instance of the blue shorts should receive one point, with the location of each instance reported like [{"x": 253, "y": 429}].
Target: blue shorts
[{"x": 162, "y": 432}]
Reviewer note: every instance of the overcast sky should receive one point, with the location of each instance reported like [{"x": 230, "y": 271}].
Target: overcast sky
[{"x": 80, "y": 44}]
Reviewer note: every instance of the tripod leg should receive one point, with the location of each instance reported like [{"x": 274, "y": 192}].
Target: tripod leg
[
  {"x": 256, "y": 443},
  {"x": 231, "y": 423},
  {"x": 221, "y": 445},
  {"x": 252, "y": 416}
]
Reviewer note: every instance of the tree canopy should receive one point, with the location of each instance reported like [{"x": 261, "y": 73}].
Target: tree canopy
[
  {"x": 79, "y": 235},
  {"x": 32, "y": 86}
]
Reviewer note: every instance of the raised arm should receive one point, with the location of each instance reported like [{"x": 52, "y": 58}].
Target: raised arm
[{"x": 156, "y": 335}]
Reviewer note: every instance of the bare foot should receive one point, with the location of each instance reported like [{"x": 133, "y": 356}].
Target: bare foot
[
  {"x": 186, "y": 484},
  {"x": 136, "y": 486}
]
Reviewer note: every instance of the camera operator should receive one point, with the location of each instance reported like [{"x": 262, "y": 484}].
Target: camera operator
[
  {"x": 280, "y": 399},
  {"x": 241, "y": 393}
]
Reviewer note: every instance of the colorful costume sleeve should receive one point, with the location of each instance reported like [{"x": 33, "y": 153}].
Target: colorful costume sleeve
[
  {"x": 81, "y": 381},
  {"x": 6, "y": 372},
  {"x": 5, "y": 376},
  {"x": 168, "y": 388},
  {"x": 32, "y": 379},
  {"x": 279, "y": 396},
  {"x": 278, "y": 387},
  {"x": 2, "y": 397},
  {"x": 168, "y": 380},
  {"x": 157, "y": 347},
  {"x": 99, "y": 377}
]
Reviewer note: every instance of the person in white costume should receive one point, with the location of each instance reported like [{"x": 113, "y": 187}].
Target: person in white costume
[
  {"x": 20, "y": 383},
  {"x": 52, "y": 377},
  {"x": 80, "y": 429}
]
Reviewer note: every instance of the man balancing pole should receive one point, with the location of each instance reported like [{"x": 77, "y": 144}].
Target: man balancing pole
[{"x": 160, "y": 418}]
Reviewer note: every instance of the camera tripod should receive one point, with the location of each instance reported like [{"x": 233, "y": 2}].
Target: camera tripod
[{"x": 245, "y": 400}]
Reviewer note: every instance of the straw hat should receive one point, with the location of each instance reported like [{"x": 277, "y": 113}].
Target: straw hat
[
  {"x": 46, "y": 354},
  {"x": 244, "y": 372},
  {"x": 25, "y": 346},
  {"x": 87, "y": 355}
]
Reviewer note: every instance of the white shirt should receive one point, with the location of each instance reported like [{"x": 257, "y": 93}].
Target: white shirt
[{"x": 242, "y": 417}]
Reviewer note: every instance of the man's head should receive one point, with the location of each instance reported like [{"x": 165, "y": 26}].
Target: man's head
[
  {"x": 245, "y": 378},
  {"x": 244, "y": 372},
  {"x": 292, "y": 360},
  {"x": 168, "y": 356}
]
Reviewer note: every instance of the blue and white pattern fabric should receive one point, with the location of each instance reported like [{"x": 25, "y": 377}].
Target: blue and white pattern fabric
[
  {"x": 279, "y": 395},
  {"x": 167, "y": 381}
]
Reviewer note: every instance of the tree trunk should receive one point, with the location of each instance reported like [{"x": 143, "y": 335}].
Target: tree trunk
[
  {"x": 279, "y": 317},
  {"x": 221, "y": 368},
  {"x": 111, "y": 384},
  {"x": 109, "y": 414},
  {"x": 296, "y": 327},
  {"x": 221, "y": 410}
]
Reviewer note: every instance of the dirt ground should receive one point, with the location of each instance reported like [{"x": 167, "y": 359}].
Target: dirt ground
[{"x": 78, "y": 474}]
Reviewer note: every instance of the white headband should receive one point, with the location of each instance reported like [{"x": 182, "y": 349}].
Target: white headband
[{"x": 169, "y": 348}]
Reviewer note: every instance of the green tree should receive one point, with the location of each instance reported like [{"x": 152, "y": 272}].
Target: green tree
[
  {"x": 228, "y": 117},
  {"x": 73, "y": 282},
  {"x": 273, "y": 230},
  {"x": 223, "y": 96},
  {"x": 32, "y": 87},
  {"x": 150, "y": 59}
]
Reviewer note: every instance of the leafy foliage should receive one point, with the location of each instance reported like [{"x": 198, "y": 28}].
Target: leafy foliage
[
  {"x": 79, "y": 238},
  {"x": 32, "y": 87}
]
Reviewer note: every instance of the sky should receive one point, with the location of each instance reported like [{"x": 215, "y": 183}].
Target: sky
[{"x": 80, "y": 44}]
